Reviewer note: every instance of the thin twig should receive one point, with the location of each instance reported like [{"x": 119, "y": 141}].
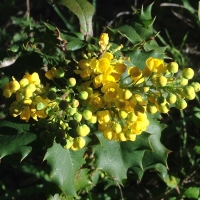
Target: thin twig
[
  {"x": 121, "y": 193},
  {"x": 172, "y": 5},
  {"x": 27, "y": 8}
]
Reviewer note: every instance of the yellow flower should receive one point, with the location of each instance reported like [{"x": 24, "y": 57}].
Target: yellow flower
[
  {"x": 107, "y": 55},
  {"x": 156, "y": 65},
  {"x": 103, "y": 66},
  {"x": 110, "y": 91},
  {"x": 84, "y": 64},
  {"x": 32, "y": 78},
  {"x": 103, "y": 116},
  {"x": 96, "y": 100},
  {"x": 121, "y": 104},
  {"x": 102, "y": 79},
  {"x": 50, "y": 74},
  {"x": 136, "y": 74},
  {"x": 104, "y": 39},
  {"x": 25, "y": 115}
]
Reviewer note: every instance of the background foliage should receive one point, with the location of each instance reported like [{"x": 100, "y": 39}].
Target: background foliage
[{"x": 32, "y": 177}]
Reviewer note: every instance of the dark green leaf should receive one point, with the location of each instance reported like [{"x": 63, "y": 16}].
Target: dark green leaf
[
  {"x": 192, "y": 193},
  {"x": 14, "y": 138},
  {"x": 115, "y": 158},
  {"x": 82, "y": 179},
  {"x": 64, "y": 165},
  {"x": 83, "y": 10}
]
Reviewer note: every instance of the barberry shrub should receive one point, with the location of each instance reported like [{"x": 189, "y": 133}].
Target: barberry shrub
[{"x": 93, "y": 102}]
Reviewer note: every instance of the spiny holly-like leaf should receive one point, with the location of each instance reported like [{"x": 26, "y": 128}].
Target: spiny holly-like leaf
[
  {"x": 64, "y": 165},
  {"x": 82, "y": 180},
  {"x": 115, "y": 158},
  {"x": 145, "y": 16},
  {"x": 14, "y": 138},
  {"x": 127, "y": 32},
  {"x": 83, "y": 10}
]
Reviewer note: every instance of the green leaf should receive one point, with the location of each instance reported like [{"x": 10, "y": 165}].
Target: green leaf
[
  {"x": 147, "y": 152},
  {"x": 14, "y": 48},
  {"x": 83, "y": 10},
  {"x": 192, "y": 192},
  {"x": 82, "y": 180},
  {"x": 14, "y": 138},
  {"x": 197, "y": 147},
  {"x": 129, "y": 33},
  {"x": 64, "y": 165},
  {"x": 145, "y": 16},
  {"x": 4, "y": 81}
]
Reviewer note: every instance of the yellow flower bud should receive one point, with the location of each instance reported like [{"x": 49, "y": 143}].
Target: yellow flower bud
[
  {"x": 14, "y": 85},
  {"x": 28, "y": 93},
  {"x": 117, "y": 128},
  {"x": 104, "y": 39},
  {"x": 7, "y": 93},
  {"x": 172, "y": 67},
  {"x": 130, "y": 136},
  {"x": 171, "y": 98},
  {"x": 196, "y": 86},
  {"x": 122, "y": 137},
  {"x": 151, "y": 108},
  {"x": 123, "y": 114},
  {"x": 27, "y": 102},
  {"x": 189, "y": 92},
  {"x": 108, "y": 133},
  {"x": 23, "y": 82},
  {"x": 183, "y": 81},
  {"x": 188, "y": 73},
  {"x": 181, "y": 104},
  {"x": 83, "y": 130},
  {"x": 79, "y": 142},
  {"x": 162, "y": 81}
]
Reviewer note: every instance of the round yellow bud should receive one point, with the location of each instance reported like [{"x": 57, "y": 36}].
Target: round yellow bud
[
  {"x": 79, "y": 142},
  {"x": 83, "y": 130},
  {"x": 7, "y": 93},
  {"x": 188, "y": 73},
  {"x": 183, "y": 81},
  {"x": 172, "y": 67},
  {"x": 122, "y": 137},
  {"x": 27, "y": 102},
  {"x": 14, "y": 85},
  {"x": 28, "y": 93},
  {"x": 127, "y": 94},
  {"x": 171, "y": 98},
  {"x": 161, "y": 81},
  {"x": 163, "y": 108},
  {"x": 123, "y": 114},
  {"x": 181, "y": 104},
  {"x": 151, "y": 108},
  {"x": 23, "y": 82},
  {"x": 108, "y": 133},
  {"x": 189, "y": 92},
  {"x": 130, "y": 136},
  {"x": 196, "y": 86},
  {"x": 117, "y": 128}
]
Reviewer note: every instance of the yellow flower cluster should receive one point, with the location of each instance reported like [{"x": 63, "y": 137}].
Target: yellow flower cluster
[
  {"x": 121, "y": 107},
  {"x": 114, "y": 97},
  {"x": 29, "y": 97}
]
